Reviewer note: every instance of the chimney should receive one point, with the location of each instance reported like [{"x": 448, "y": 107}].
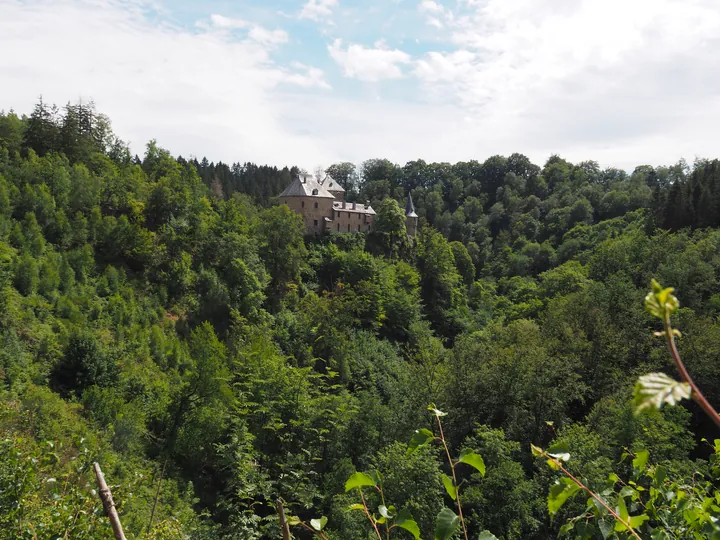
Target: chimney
[
  {"x": 343, "y": 204},
  {"x": 354, "y": 206},
  {"x": 367, "y": 205}
]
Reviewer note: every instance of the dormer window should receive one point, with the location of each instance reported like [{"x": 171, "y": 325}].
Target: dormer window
[{"x": 315, "y": 191}]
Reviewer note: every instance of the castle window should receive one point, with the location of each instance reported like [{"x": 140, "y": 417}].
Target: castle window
[
  {"x": 358, "y": 216},
  {"x": 338, "y": 227},
  {"x": 316, "y": 203},
  {"x": 303, "y": 204},
  {"x": 315, "y": 192},
  {"x": 348, "y": 227},
  {"x": 315, "y": 222},
  {"x": 358, "y": 228}
]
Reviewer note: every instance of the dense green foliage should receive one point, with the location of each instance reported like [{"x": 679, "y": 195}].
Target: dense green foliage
[{"x": 168, "y": 319}]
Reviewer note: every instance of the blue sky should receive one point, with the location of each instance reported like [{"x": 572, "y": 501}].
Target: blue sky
[{"x": 312, "y": 82}]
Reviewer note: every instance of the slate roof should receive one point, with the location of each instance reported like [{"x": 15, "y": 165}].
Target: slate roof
[
  {"x": 331, "y": 185},
  {"x": 298, "y": 188},
  {"x": 359, "y": 208}
]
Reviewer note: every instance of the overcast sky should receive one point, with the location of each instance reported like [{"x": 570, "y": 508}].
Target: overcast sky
[{"x": 312, "y": 82}]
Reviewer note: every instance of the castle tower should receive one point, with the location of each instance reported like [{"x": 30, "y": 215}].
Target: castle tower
[
  {"x": 411, "y": 218},
  {"x": 313, "y": 202}
]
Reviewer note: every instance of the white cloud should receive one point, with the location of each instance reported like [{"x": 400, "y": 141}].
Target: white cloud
[
  {"x": 621, "y": 82},
  {"x": 199, "y": 92},
  {"x": 220, "y": 21},
  {"x": 369, "y": 64},
  {"x": 268, "y": 37},
  {"x": 434, "y": 21},
  {"x": 433, "y": 7},
  {"x": 590, "y": 76},
  {"x": 255, "y": 33},
  {"x": 526, "y": 46},
  {"x": 435, "y": 14},
  {"x": 448, "y": 67},
  {"x": 318, "y": 9},
  {"x": 307, "y": 77}
]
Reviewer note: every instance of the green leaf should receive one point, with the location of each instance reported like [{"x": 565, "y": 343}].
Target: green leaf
[
  {"x": 660, "y": 475},
  {"x": 474, "y": 460},
  {"x": 536, "y": 450},
  {"x": 623, "y": 513},
  {"x": 358, "y": 480},
  {"x": 487, "y": 535},
  {"x": 606, "y": 526},
  {"x": 553, "y": 464},
  {"x": 421, "y": 437},
  {"x": 404, "y": 520},
  {"x": 449, "y": 486},
  {"x": 293, "y": 520},
  {"x": 636, "y": 521},
  {"x": 383, "y": 511},
  {"x": 435, "y": 411},
  {"x": 356, "y": 506},
  {"x": 652, "y": 391},
  {"x": 640, "y": 460},
  {"x": 560, "y": 451},
  {"x": 561, "y": 491},
  {"x": 446, "y": 524},
  {"x": 319, "y": 524},
  {"x": 661, "y": 302}
]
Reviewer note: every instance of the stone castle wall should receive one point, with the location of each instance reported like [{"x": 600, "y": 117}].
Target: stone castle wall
[
  {"x": 313, "y": 217},
  {"x": 347, "y": 220}
]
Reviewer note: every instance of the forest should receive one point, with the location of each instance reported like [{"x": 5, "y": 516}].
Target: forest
[{"x": 167, "y": 318}]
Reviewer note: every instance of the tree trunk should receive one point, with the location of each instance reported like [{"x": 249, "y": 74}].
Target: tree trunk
[
  {"x": 108, "y": 504},
  {"x": 283, "y": 522}
]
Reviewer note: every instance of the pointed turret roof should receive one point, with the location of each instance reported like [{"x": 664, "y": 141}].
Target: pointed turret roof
[
  {"x": 410, "y": 207},
  {"x": 306, "y": 187}
]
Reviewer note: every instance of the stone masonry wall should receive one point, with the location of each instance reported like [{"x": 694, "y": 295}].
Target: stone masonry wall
[
  {"x": 314, "y": 218},
  {"x": 411, "y": 226},
  {"x": 345, "y": 220}
]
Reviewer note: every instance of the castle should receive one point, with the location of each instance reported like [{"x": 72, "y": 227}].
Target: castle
[{"x": 324, "y": 209}]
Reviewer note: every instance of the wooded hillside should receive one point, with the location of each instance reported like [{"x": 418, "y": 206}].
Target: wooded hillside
[{"x": 167, "y": 318}]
